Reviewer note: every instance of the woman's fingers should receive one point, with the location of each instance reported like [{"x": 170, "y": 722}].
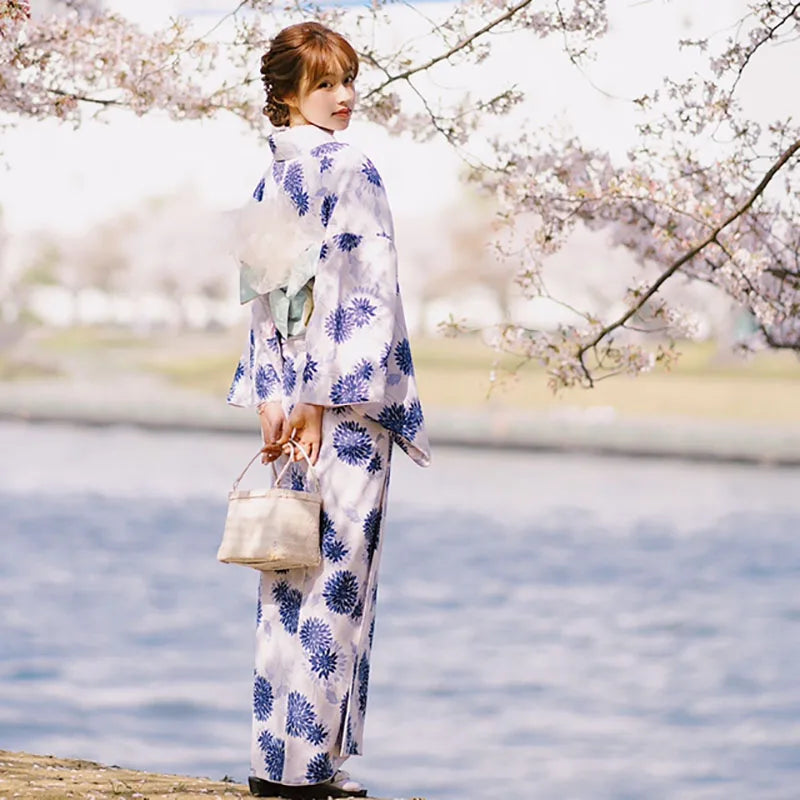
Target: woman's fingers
[
  {"x": 269, "y": 453},
  {"x": 311, "y": 447},
  {"x": 286, "y": 434}
]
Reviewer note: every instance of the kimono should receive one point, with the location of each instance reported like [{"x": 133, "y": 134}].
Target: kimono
[{"x": 351, "y": 354}]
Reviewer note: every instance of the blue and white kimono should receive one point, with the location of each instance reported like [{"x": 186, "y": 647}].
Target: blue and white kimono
[{"x": 315, "y": 626}]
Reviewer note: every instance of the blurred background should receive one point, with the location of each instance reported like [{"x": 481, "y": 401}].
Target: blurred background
[{"x": 559, "y": 616}]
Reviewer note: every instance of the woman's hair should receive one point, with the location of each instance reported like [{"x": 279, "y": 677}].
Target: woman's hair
[{"x": 297, "y": 58}]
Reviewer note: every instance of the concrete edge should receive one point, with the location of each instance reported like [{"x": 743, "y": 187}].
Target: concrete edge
[{"x": 689, "y": 440}]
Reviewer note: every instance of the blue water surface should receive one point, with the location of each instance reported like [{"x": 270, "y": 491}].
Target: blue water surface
[{"x": 548, "y": 626}]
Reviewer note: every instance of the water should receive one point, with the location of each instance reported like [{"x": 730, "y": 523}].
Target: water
[{"x": 548, "y": 626}]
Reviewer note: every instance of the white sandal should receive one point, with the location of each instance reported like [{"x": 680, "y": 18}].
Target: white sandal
[{"x": 342, "y": 780}]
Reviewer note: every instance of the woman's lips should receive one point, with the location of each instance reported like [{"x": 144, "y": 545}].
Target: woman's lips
[{"x": 343, "y": 113}]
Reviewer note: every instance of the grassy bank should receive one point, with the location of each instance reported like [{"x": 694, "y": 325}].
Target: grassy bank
[
  {"x": 706, "y": 382},
  {"x": 456, "y": 373}
]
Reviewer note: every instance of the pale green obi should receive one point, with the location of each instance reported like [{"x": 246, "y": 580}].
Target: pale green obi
[{"x": 291, "y": 305}]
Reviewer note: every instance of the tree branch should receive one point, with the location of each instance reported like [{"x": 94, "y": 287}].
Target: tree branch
[
  {"x": 82, "y": 98},
  {"x": 453, "y": 50},
  {"x": 784, "y": 158},
  {"x": 770, "y": 32}
]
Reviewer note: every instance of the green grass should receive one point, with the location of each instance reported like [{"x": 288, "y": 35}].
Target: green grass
[
  {"x": 20, "y": 370},
  {"x": 85, "y": 339},
  {"x": 211, "y": 374},
  {"x": 455, "y": 373}
]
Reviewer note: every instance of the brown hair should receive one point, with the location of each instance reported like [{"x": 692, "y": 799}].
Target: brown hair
[{"x": 297, "y": 58}]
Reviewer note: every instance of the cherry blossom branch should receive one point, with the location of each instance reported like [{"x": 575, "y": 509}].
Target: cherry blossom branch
[
  {"x": 712, "y": 237},
  {"x": 83, "y": 98},
  {"x": 465, "y": 42},
  {"x": 769, "y": 33}
]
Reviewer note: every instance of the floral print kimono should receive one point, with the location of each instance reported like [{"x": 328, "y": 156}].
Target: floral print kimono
[{"x": 314, "y": 627}]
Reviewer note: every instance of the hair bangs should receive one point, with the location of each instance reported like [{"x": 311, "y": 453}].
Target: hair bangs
[{"x": 329, "y": 56}]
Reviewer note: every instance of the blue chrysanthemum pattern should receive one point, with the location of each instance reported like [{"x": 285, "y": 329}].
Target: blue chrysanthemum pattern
[
  {"x": 363, "y": 311},
  {"x": 324, "y": 662},
  {"x": 309, "y": 370},
  {"x": 293, "y": 184},
  {"x": 319, "y": 769},
  {"x": 258, "y": 193},
  {"x": 333, "y": 549},
  {"x": 317, "y": 735},
  {"x": 372, "y": 531},
  {"x": 274, "y": 342},
  {"x": 341, "y": 592},
  {"x": 300, "y": 716},
  {"x": 266, "y": 381},
  {"x": 414, "y": 419},
  {"x": 347, "y": 242},
  {"x": 326, "y": 148},
  {"x": 263, "y": 698},
  {"x": 352, "y": 443},
  {"x": 350, "y": 743},
  {"x": 289, "y": 601},
  {"x": 363, "y": 682},
  {"x": 237, "y": 376},
  {"x": 315, "y": 635},
  {"x": 402, "y": 420},
  {"x": 402, "y": 357},
  {"x": 274, "y": 751},
  {"x": 339, "y": 324},
  {"x": 353, "y": 387},
  {"x": 297, "y": 478},
  {"x": 289, "y": 376},
  {"x": 280, "y": 591},
  {"x": 387, "y": 351},
  {"x": 326, "y": 208},
  {"x": 368, "y": 169},
  {"x": 375, "y": 464}
]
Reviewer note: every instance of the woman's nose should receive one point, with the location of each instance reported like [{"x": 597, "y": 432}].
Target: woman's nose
[{"x": 345, "y": 94}]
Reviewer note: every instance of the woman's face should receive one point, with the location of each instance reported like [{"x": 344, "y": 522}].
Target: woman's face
[{"x": 327, "y": 104}]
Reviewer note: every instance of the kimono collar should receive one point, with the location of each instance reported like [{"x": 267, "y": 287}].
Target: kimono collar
[{"x": 288, "y": 143}]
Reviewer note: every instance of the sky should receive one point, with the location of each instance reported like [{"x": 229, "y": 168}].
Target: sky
[{"x": 67, "y": 180}]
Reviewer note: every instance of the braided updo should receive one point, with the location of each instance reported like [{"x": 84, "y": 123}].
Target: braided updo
[{"x": 297, "y": 58}]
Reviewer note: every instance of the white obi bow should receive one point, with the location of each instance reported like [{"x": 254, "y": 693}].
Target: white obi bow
[{"x": 275, "y": 248}]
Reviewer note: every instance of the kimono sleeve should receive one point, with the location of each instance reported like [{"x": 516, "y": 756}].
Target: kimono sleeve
[
  {"x": 257, "y": 377},
  {"x": 356, "y": 299}
]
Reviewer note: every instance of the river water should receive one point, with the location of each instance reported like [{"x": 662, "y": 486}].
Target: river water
[{"x": 549, "y": 626}]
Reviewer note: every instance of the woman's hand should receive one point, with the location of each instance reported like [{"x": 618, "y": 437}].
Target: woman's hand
[
  {"x": 304, "y": 426},
  {"x": 273, "y": 427}
]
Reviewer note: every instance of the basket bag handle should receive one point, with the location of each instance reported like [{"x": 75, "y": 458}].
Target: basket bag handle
[{"x": 279, "y": 477}]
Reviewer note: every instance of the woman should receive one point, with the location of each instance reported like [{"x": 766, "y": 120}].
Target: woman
[{"x": 328, "y": 363}]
